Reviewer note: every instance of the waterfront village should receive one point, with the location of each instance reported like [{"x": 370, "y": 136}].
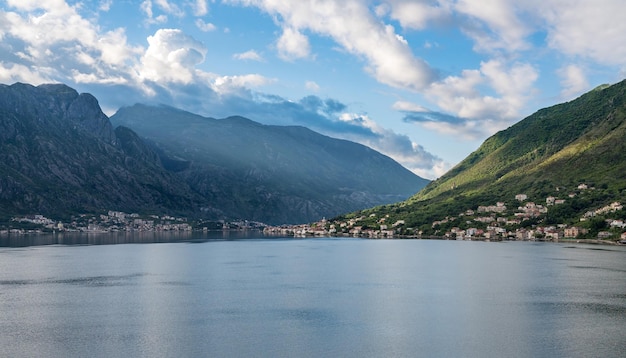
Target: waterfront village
[
  {"x": 488, "y": 223},
  {"x": 117, "y": 221}
]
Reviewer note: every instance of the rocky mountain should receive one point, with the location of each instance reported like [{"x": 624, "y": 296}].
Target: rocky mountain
[
  {"x": 548, "y": 154},
  {"x": 59, "y": 155},
  {"x": 273, "y": 174}
]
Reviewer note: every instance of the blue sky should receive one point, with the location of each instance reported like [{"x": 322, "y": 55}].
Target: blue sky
[{"x": 422, "y": 81}]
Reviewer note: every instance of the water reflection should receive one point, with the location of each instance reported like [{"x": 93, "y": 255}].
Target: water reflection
[
  {"x": 312, "y": 298},
  {"x": 113, "y": 238}
]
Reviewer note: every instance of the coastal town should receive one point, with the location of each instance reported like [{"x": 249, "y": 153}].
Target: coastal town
[
  {"x": 524, "y": 220},
  {"x": 117, "y": 221},
  {"x": 494, "y": 222}
]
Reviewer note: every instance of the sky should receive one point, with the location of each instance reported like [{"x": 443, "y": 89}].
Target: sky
[{"x": 422, "y": 81}]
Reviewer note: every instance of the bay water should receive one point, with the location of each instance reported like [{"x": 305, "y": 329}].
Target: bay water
[{"x": 249, "y": 296}]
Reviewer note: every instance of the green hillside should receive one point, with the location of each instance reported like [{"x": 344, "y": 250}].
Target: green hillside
[{"x": 549, "y": 153}]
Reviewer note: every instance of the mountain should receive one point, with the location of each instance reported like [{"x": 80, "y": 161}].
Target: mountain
[
  {"x": 549, "y": 153},
  {"x": 59, "y": 155},
  {"x": 273, "y": 174}
]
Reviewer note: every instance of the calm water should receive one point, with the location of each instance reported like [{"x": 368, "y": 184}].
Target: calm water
[{"x": 313, "y": 298}]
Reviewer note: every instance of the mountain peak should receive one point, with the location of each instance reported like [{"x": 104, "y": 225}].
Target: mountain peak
[
  {"x": 58, "y": 89},
  {"x": 272, "y": 174},
  {"x": 59, "y": 155}
]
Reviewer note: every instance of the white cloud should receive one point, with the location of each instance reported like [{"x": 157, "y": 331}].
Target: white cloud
[
  {"x": 52, "y": 38},
  {"x": 417, "y": 14},
  {"x": 12, "y": 72},
  {"x": 352, "y": 25},
  {"x": 205, "y": 26},
  {"x": 405, "y": 106},
  {"x": 248, "y": 55},
  {"x": 50, "y": 42},
  {"x": 170, "y": 8},
  {"x": 146, "y": 7},
  {"x": 590, "y": 29},
  {"x": 573, "y": 81},
  {"x": 293, "y": 45},
  {"x": 171, "y": 57},
  {"x": 494, "y": 24},
  {"x": 312, "y": 86},
  {"x": 578, "y": 28},
  {"x": 484, "y": 114},
  {"x": 201, "y": 8},
  {"x": 235, "y": 84},
  {"x": 514, "y": 83},
  {"x": 105, "y": 5}
]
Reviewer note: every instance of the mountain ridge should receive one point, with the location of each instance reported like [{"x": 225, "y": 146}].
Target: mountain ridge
[
  {"x": 61, "y": 155},
  {"x": 549, "y": 153},
  {"x": 281, "y": 168}
]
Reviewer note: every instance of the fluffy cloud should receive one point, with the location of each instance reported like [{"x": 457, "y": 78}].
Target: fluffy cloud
[
  {"x": 312, "y": 86},
  {"x": 105, "y": 5},
  {"x": 415, "y": 14},
  {"x": 12, "y": 72},
  {"x": 205, "y": 26},
  {"x": 494, "y": 24},
  {"x": 589, "y": 29},
  {"x": 171, "y": 57},
  {"x": 293, "y": 45},
  {"x": 54, "y": 42},
  {"x": 201, "y": 8},
  {"x": 351, "y": 24},
  {"x": 235, "y": 84},
  {"x": 146, "y": 7},
  {"x": 168, "y": 7},
  {"x": 573, "y": 81},
  {"x": 50, "y": 41},
  {"x": 474, "y": 114},
  {"x": 248, "y": 55}
]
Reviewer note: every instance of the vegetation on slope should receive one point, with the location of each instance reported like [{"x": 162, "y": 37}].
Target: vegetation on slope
[{"x": 547, "y": 154}]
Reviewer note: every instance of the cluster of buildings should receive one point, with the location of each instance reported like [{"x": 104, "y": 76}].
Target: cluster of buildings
[
  {"x": 502, "y": 225},
  {"x": 118, "y": 221},
  {"x": 490, "y": 222},
  {"x": 348, "y": 228},
  {"x": 113, "y": 221}
]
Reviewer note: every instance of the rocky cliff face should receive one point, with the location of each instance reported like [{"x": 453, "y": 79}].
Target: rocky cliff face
[
  {"x": 273, "y": 174},
  {"x": 59, "y": 154},
  {"x": 56, "y": 105}
]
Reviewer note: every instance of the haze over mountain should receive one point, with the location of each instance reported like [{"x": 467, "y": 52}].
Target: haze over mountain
[
  {"x": 59, "y": 155},
  {"x": 275, "y": 174},
  {"x": 549, "y": 153}
]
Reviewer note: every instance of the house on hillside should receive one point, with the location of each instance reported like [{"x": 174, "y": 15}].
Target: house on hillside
[
  {"x": 574, "y": 232},
  {"x": 553, "y": 235}
]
